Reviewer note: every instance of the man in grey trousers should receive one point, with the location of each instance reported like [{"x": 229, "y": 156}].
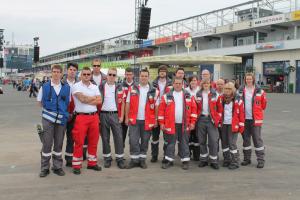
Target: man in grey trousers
[
  {"x": 140, "y": 115},
  {"x": 111, "y": 116},
  {"x": 54, "y": 98}
]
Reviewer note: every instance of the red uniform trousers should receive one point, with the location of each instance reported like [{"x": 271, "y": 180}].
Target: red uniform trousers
[{"x": 85, "y": 126}]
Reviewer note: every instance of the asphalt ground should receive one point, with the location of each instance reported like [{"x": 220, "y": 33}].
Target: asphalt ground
[{"x": 20, "y": 164}]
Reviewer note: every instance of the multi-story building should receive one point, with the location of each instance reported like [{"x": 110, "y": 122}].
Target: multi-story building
[
  {"x": 265, "y": 33},
  {"x": 18, "y": 57}
]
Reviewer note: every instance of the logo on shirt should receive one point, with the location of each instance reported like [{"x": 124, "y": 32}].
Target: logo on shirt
[{"x": 152, "y": 106}]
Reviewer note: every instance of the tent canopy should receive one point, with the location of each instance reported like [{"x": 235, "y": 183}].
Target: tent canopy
[{"x": 189, "y": 60}]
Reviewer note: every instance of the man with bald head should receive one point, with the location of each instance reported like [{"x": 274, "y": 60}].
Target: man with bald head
[
  {"x": 219, "y": 87},
  {"x": 205, "y": 74}
]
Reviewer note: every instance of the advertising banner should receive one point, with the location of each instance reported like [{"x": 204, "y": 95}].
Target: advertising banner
[
  {"x": 182, "y": 36},
  {"x": 147, "y": 43},
  {"x": 266, "y": 46},
  {"x": 204, "y": 32},
  {"x": 296, "y": 15},
  {"x": 264, "y": 21},
  {"x": 163, "y": 40}
]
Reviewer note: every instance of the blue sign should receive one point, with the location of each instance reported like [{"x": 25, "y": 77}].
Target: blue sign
[{"x": 147, "y": 43}]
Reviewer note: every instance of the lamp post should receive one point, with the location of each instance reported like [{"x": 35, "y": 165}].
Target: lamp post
[{"x": 1, "y": 50}]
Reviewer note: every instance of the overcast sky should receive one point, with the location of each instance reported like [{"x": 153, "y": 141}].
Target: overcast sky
[{"x": 64, "y": 24}]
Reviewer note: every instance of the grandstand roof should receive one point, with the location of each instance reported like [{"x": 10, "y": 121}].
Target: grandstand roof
[{"x": 187, "y": 59}]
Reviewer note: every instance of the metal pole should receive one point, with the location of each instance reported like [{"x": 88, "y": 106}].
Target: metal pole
[
  {"x": 138, "y": 5},
  {"x": 1, "y": 49},
  {"x": 35, "y": 44},
  {"x": 12, "y": 62}
]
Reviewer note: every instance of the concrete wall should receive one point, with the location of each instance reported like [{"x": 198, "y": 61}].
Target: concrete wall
[
  {"x": 217, "y": 68},
  {"x": 227, "y": 41},
  {"x": 226, "y": 71}
]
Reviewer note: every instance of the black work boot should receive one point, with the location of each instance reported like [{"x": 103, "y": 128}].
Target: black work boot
[
  {"x": 214, "y": 165},
  {"x": 121, "y": 164},
  {"x": 233, "y": 166},
  {"x": 226, "y": 164},
  {"x": 107, "y": 163},
  {"x": 185, "y": 165},
  {"x": 95, "y": 168},
  {"x": 202, "y": 164},
  {"x": 76, "y": 171},
  {"x": 246, "y": 162},
  {"x": 59, "y": 172},
  {"x": 167, "y": 164},
  {"x": 247, "y": 157},
  {"x": 143, "y": 164},
  {"x": 260, "y": 164},
  {"x": 132, "y": 164},
  {"x": 44, "y": 173}
]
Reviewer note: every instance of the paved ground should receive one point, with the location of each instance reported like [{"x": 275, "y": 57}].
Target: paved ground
[{"x": 20, "y": 162}]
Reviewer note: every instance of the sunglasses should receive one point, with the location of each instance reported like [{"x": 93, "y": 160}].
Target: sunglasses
[
  {"x": 96, "y": 65},
  {"x": 86, "y": 74},
  {"x": 112, "y": 75}
]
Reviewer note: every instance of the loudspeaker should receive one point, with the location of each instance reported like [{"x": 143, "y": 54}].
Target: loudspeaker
[
  {"x": 36, "y": 54},
  {"x": 144, "y": 23},
  {"x": 1, "y": 62}
]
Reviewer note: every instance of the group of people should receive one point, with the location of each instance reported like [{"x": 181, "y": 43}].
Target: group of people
[
  {"x": 196, "y": 114},
  {"x": 30, "y": 85}
]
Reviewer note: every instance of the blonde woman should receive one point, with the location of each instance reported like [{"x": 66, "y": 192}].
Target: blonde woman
[{"x": 232, "y": 122}]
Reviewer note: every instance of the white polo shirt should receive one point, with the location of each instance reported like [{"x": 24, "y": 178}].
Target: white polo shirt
[
  {"x": 178, "y": 98},
  {"x": 91, "y": 90},
  {"x": 162, "y": 87},
  {"x": 56, "y": 87},
  {"x": 97, "y": 79},
  {"x": 228, "y": 113},
  {"x": 142, "y": 101},
  {"x": 248, "y": 102},
  {"x": 71, "y": 84},
  {"x": 109, "y": 99},
  {"x": 205, "y": 106}
]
